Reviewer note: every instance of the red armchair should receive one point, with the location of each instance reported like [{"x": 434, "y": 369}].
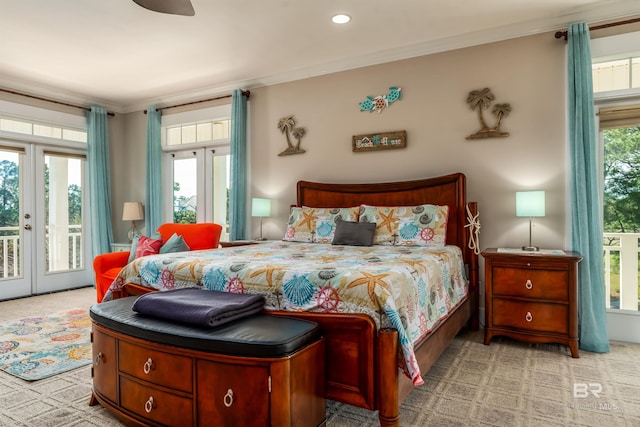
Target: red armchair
[{"x": 196, "y": 236}]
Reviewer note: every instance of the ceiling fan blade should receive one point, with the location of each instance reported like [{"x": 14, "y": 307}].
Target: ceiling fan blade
[{"x": 174, "y": 7}]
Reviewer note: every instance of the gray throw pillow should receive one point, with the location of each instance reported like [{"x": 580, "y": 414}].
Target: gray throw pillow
[
  {"x": 354, "y": 233},
  {"x": 175, "y": 243}
]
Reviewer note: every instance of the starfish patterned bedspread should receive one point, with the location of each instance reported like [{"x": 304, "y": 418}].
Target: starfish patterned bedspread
[{"x": 408, "y": 288}]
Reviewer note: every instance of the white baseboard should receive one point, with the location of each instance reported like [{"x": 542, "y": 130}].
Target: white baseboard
[{"x": 624, "y": 326}]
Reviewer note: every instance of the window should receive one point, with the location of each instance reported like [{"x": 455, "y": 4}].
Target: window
[
  {"x": 616, "y": 65},
  {"x": 619, "y": 125},
  {"x": 214, "y": 130},
  {"x": 45, "y": 130},
  {"x": 616, "y": 75},
  {"x": 197, "y": 159}
]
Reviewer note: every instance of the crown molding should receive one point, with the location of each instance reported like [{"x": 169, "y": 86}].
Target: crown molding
[{"x": 56, "y": 94}]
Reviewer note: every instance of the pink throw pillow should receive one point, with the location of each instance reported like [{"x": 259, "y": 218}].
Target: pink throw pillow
[{"x": 147, "y": 246}]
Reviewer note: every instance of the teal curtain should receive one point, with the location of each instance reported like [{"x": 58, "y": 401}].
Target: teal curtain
[
  {"x": 153, "y": 203},
  {"x": 586, "y": 205},
  {"x": 99, "y": 180},
  {"x": 238, "y": 173}
]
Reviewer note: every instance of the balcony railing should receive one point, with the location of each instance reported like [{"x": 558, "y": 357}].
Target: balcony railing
[
  {"x": 10, "y": 251},
  {"x": 621, "y": 270}
]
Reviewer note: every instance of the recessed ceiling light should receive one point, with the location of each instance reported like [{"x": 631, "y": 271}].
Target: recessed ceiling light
[{"x": 340, "y": 18}]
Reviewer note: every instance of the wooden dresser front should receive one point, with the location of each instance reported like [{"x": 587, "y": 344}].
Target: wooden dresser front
[
  {"x": 532, "y": 297},
  {"x": 146, "y": 383}
]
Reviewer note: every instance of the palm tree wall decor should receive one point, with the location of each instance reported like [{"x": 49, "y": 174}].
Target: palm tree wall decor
[
  {"x": 481, "y": 100},
  {"x": 286, "y": 125}
]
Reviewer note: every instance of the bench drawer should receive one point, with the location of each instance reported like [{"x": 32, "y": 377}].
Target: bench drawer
[
  {"x": 157, "y": 367},
  {"x": 238, "y": 394},
  {"x": 155, "y": 404},
  {"x": 105, "y": 364}
]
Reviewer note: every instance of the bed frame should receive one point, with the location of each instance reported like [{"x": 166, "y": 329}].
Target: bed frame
[{"x": 361, "y": 361}]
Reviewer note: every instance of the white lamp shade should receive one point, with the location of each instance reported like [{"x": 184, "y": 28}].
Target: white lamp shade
[
  {"x": 132, "y": 211},
  {"x": 530, "y": 203},
  {"x": 260, "y": 207}
]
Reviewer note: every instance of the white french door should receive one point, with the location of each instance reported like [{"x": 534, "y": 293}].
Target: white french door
[
  {"x": 44, "y": 232},
  {"x": 16, "y": 244},
  {"x": 62, "y": 231},
  {"x": 197, "y": 182}
]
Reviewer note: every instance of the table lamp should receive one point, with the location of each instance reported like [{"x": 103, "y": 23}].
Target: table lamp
[
  {"x": 531, "y": 204},
  {"x": 262, "y": 208},
  {"x": 132, "y": 211}
]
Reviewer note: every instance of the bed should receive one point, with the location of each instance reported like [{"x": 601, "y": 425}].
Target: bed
[{"x": 374, "y": 357}]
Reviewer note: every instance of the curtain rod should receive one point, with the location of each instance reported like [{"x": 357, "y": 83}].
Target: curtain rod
[
  {"x": 51, "y": 100},
  {"x": 563, "y": 34},
  {"x": 244, "y": 92}
]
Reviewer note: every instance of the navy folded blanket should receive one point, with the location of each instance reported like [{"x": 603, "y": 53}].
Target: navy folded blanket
[{"x": 198, "y": 306}]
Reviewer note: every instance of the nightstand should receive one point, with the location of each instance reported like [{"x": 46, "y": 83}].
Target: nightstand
[
  {"x": 121, "y": 247},
  {"x": 532, "y": 297}
]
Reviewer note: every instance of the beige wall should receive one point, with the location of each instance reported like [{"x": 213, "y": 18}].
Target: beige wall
[
  {"x": 528, "y": 73},
  {"x": 128, "y": 170}
]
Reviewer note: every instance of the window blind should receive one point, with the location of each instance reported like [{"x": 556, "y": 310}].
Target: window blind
[{"x": 619, "y": 116}]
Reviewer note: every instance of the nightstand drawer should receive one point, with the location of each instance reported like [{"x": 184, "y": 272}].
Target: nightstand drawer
[
  {"x": 531, "y": 283},
  {"x": 530, "y": 316},
  {"x": 121, "y": 247}
]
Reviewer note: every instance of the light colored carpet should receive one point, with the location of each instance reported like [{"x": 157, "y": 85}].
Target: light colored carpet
[{"x": 505, "y": 384}]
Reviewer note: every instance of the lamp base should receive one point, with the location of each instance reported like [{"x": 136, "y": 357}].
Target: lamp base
[
  {"x": 132, "y": 231},
  {"x": 530, "y": 248}
]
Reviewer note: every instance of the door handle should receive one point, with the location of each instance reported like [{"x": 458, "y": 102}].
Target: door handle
[{"x": 27, "y": 226}]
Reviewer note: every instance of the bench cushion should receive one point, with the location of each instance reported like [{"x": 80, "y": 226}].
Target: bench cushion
[{"x": 259, "y": 335}]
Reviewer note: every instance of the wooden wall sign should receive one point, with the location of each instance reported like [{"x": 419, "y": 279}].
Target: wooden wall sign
[{"x": 379, "y": 141}]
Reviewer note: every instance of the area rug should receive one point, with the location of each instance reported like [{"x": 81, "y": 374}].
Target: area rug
[{"x": 40, "y": 347}]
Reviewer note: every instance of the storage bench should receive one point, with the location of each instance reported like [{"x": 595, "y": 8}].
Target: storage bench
[{"x": 261, "y": 370}]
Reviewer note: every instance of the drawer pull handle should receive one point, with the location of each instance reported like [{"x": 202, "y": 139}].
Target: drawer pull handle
[
  {"x": 148, "y": 406},
  {"x": 147, "y": 366},
  {"x": 528, "y": 317},
  {"x": 228, "y": 398},
  {"x": 98, "y": 359},
  {"x": 529, "y": 284}
]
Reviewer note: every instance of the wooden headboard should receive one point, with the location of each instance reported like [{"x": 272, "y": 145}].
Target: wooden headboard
[{"x": 447, "y": 190}]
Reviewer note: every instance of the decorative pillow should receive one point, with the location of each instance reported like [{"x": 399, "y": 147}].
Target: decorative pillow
[
  {"x": 316, "y": 225},
  {"x": 175, "y": 243},
  {"x": 354, "y": 233},
  {"x": 423, "y": 225},
  {"x": 385, "y": 220},
  {"x": 134, "y": 248},
  {"x": 147, "y": 246}
]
